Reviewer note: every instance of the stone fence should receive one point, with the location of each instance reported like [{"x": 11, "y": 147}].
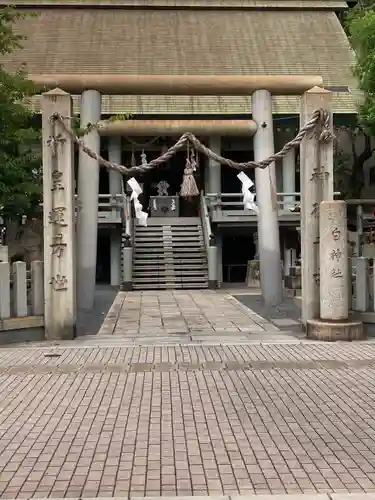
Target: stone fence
[{"x": 21, "y": 296}]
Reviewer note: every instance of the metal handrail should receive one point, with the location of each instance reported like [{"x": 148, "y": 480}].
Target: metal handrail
[
  {"x": 240, "y": 195},
  {"x": 206, "y": 223}
]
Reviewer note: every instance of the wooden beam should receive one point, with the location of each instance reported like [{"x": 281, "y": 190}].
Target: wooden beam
[
  {"x": 217, "y": 85},
  {"x": 177, "y": 127}
]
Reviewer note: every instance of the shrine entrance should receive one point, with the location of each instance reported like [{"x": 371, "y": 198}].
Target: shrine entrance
[{"x": 161, "y": 186}]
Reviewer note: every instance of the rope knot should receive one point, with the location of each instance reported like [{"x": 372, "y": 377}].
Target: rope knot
[{"x": 326, "y": 135}]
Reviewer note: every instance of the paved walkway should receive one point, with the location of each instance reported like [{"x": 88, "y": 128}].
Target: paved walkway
[
  {"x": 183, "y": 420},
  {"x": 187, "y": 316}
]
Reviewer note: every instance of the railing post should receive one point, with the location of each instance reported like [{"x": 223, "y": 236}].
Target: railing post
[
  {"x": 37, "y": 291},
  {"x": 4, "y": 290},
  {"x": 19, "y": 292},
  {"x": 212, "y": 265},
  {"x": 359, "y": 239},
  {"x": 127, "y": 269}
]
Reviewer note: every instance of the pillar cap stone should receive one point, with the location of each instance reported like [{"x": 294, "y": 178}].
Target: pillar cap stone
[
  {"x": 318, "y": 90},
  {"x": 55, "y": 91}
]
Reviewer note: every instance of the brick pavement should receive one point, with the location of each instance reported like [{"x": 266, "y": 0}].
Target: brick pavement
[{"x": 183, "y": 420}]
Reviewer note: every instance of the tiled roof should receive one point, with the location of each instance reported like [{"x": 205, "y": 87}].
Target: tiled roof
[{"x": 189, "y": 41}]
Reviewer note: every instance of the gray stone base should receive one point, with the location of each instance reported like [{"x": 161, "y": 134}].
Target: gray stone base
[
  {"x": 288, "y": 292},
  {"x": 212, "y": 284},
  {"x": 126, "y": 286},
  {"x": 331, "y": 331}
]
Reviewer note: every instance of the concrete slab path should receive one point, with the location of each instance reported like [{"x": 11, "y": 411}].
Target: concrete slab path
[{"x": 193, "y": 316}]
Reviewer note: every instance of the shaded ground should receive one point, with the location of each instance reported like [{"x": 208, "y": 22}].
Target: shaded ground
[
  {"x": 89, "y": 322},
  {"x": 286, "y": 316}
]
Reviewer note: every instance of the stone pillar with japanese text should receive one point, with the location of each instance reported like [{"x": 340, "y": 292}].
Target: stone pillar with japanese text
[
  {"x": 334, "y": 322},
  {"x": 316, "y": 170},
  {"x": 334, "y": 264},
  {"x": 58, "y": 218}
]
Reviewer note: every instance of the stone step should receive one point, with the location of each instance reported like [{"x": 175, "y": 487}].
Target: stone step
[
  {"x": 180, "y": 273},
  {"x": 168, "y": 244},
  {"x": 201, "y": 265},
  {"x": 178, "y": 251},
  {"x": 165, "y": 237},
  {"x": 169, "y": 279},
  {"x": 162, "y": 260},
  {"x": 182, "y": 236},
  {"x": 170, "y": 286}
]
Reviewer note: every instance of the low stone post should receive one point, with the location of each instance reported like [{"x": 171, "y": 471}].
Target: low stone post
[
  {"x": 4, "y": 290},
  {"x": 19, "y": 291},
  {"x": 334, "y": 323},
  {"x": 58, "y": 219},
  {"x": 127, "y": 268},
  {"x": 4, "y": 254},
  {"x": 37, "y": 291},
  {"x": 212, "y": 266}
]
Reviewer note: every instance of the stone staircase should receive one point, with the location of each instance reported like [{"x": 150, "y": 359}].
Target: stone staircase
[{"x": 169, "y": 254}]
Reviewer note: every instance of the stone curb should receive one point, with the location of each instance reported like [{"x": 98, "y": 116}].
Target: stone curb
[{"x": 284, "y": 496}]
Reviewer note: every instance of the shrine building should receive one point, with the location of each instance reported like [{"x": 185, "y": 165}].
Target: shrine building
[{"x": 184, "y": 37}]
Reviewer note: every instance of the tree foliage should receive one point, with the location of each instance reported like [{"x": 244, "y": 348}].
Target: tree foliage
[
  {"x": 20, "y": 159},
  {"x": 360, "y": 24}
]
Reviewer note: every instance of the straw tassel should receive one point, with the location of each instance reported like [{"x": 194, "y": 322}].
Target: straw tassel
[{"x": 189, "y": 186}]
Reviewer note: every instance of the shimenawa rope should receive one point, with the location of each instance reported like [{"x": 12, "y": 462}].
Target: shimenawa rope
[{"x": 318, "y": 118}]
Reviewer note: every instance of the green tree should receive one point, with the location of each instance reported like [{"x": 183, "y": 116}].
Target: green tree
[
  {"x": 20, "y": 158},
  {"x": 360, "y": 25}
]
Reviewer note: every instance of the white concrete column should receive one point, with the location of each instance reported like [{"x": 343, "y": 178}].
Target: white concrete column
[
  {"x": 88, "y": 191},
  {"x": 334, "y": 268},
  {"x": 265, "y": 186},
  {"x": 289, "y": 178},
  {"x": 214, "y": 168},
  {"x": 115, "y": 155},
  {"x": 115, "y": 181}
]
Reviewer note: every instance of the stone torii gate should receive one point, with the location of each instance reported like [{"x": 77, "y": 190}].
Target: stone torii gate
[{"x": 60, "y": 279}]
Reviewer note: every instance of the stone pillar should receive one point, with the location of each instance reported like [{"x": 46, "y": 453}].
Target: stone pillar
[
  {"x": 58, "y": 220},
  {"x": 265, "y": 186},
  {"x": 88, "y": 191},
  {"x": 214, "y": 169},
  {"x": 334, "y": 278},
  {"x": 115, "y": 188},
  {"x": 115, "y": 156},
  {"x": 315, "y": 175},
  {"x": 289, "y": 178}
]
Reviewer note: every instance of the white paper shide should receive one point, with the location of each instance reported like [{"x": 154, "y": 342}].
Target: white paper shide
[
  {"x": 248, "y": 196},
  {"x": 140, "y": 215}
]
